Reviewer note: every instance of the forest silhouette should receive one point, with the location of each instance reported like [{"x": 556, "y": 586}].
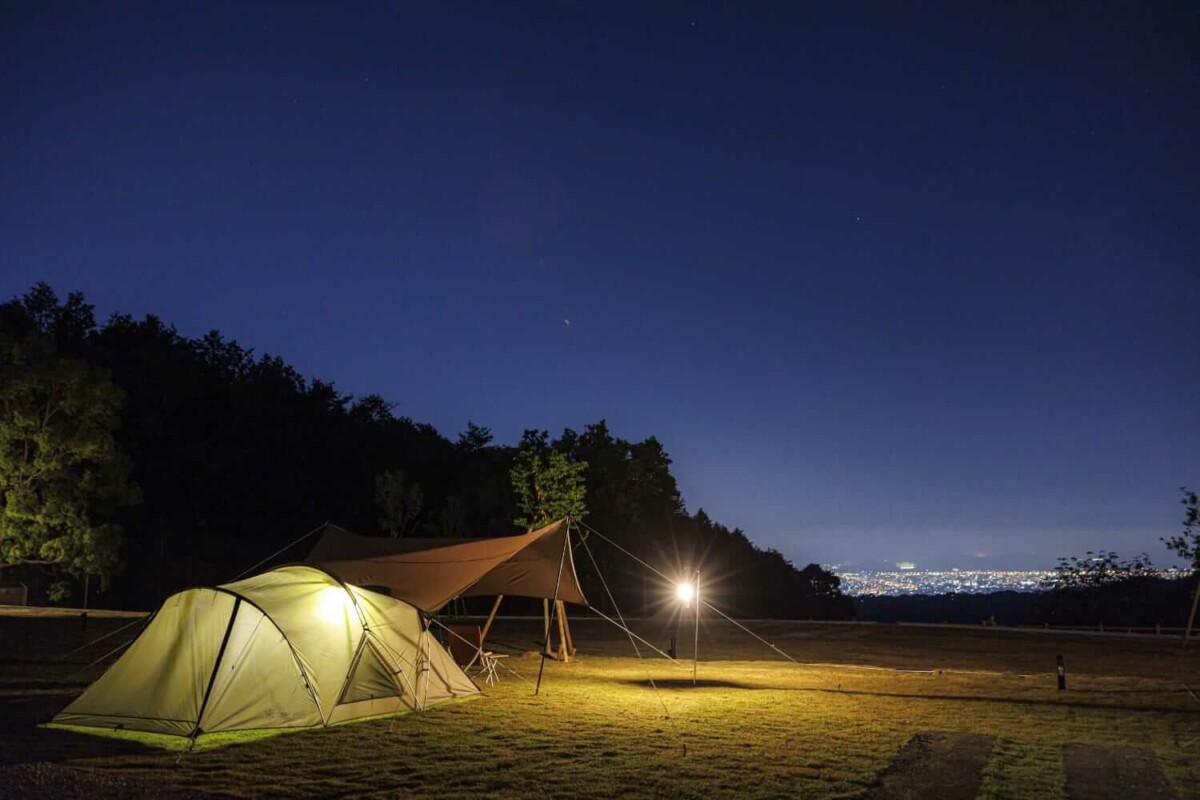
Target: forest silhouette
[{"x": 237, "y": 455}]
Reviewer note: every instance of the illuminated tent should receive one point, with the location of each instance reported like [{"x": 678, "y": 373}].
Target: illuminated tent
[
  {"x": 290, "y": 648},
  {"x": 431, "y": 572}
]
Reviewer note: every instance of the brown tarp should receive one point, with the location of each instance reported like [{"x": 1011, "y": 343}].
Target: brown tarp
[{"x": 428, "y": 573}]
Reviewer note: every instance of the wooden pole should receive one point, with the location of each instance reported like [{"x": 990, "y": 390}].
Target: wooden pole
[
  {"x": 567, "y": 627},
  {"x": 487, "y": 626},
  {"x": 563, "y": 653},
  {"x": 546, "y": 625},
  {"x": 1187, "y": 632}
]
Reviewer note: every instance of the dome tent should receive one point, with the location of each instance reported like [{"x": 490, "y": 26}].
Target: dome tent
[{"x": 290, "y": 648}]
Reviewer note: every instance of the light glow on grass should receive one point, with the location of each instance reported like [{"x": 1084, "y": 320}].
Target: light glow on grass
[
  {"x": 210, "y": 741},
  {"x": 163, "y": 741}
]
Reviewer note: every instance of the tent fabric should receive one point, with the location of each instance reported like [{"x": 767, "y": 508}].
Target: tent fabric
[
  {"x": 431, "y": 572},
  {"x": 292, "y": 647}
]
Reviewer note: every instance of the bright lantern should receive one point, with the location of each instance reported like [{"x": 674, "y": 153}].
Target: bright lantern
[
  {"x": 332, "y": 604},
  {"x": 685, "y": 592}
]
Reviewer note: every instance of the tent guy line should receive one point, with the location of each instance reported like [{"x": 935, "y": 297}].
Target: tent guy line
[
  {"x": 446, "y": 628},
  {"x": 621, "y": 617},
  {"x": 283, "y": 549},
  {"x": 667, "y": 578},
  {"x": 98, "y": 639},
  {"x": 524, "y": 565}
]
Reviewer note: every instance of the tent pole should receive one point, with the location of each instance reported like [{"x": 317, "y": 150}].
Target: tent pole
[
  {"x": 557, "y": 583},
  {"x": 696, "y": 631},
  {"x": 487, "y": 626},
  {"x": 212, "y": 678},
  {"x": 545, "y": 625}
]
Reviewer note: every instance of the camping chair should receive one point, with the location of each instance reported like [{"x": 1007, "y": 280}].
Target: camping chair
[
  {"x": 466, "y": 646},
  {"x": 488, "y": 661}
]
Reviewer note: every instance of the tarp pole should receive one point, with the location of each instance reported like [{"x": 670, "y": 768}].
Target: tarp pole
[
  {"x": 487, "y": 626},
  {"x": 545, "y": 625},
  {"x": 562, "y": 610},
  {"x": 557, "y": 582},
  {"x": 561, "y": 613},
  {"x": 696, "y": 632}
]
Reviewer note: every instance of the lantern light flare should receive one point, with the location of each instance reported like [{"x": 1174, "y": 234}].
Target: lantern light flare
[
  {"x": 685, "y": 592},
  {"x": 333, "y": 605}
]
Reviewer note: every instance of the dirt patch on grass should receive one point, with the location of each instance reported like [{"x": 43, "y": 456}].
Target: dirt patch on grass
[
  {"x": 1113, "y": 773},
  {"x": 945, "y": 766}
]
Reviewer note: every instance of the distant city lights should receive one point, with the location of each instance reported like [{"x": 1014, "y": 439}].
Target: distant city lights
[{"x": 908, "y": 580}]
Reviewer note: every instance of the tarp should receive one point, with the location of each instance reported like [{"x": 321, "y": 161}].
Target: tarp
[
  {"x": 292, "y": 647},
  {"x": 430, "y": 572}
]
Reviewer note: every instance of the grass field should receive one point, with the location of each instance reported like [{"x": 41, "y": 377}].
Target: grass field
[{"x": 754, "y": 725}]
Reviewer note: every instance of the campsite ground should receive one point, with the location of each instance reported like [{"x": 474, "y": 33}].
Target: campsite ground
[{"x": 874, "y": 711}]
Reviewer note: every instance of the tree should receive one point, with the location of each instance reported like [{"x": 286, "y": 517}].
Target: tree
[
  {"x": 547, "y": 484},
  {"x": 61, "y": 477},
  {"x": 1099, "y": 569},
  {"x": 474, "y": 438},
  {"x": 1187, "y": 546},
  {"x": 452, "y": 519},
  {"x": 39, "y": 313},
  {"x": 399, "y": 503},
  {"x": 820, "y": 582},
  {"x": 1102, "y": 588}
]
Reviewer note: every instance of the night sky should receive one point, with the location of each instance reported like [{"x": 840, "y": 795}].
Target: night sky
[{"x": 887, "y": 283}]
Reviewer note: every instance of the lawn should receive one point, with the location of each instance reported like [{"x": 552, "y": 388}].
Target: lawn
[{"x": 755, "y": 725}]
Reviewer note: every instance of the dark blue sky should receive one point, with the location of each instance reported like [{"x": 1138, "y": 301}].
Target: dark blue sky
[{"x": 887, "y": 283}]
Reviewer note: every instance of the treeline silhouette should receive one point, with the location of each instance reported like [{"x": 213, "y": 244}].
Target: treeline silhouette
[{"x": 237, "y": 455}]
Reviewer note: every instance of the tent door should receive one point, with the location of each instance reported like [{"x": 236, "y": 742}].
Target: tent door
[{"x": 370, "y": 676}]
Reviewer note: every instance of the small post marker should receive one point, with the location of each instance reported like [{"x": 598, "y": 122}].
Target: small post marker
[{"x": 1062, "y": 674}]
